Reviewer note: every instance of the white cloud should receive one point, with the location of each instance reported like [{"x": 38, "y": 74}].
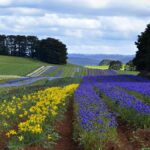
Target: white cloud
[
  {"x": 124, "y": 25},
  {"x": 87, "y": 3},
  {"x": 104, "y": 49},
  {"x": 71, "y": 22},
  {"x": 24, "y": 11},
  {"x": 74, "y": 33},
  {"x": 5, "y": 2},
  {"x": 90, "y": 26}
]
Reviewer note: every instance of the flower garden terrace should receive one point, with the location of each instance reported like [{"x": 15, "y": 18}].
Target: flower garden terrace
[
  {"x": 103, "y": 107},
  {"x": 104, "y": 103}
]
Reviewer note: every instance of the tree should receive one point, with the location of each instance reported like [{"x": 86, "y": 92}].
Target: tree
[
  {"x": 32, "y": 45},
  {"x": 130, "y": 66},
  {"x": 116, "y": 65},
  {"x": 52, "y": 51},
  {"x": 3, "y": 47},
  {"x": 10, "y": 43},
  {"x": 49, "y": 50},
  {"x": 105, "y": 62},
  {"x": 142, "y": 59}
]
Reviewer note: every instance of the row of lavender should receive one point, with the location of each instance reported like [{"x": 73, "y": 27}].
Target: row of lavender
[
  {"x": 76, "y": 72},
  {"x": 129, "y": 108},
  {"x": 94, "y": 125},
  {"x": 130, "y": 82},
  {"x": 96, "y": 99}
]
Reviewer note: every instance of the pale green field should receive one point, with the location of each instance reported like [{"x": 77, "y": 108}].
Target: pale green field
[
  {"x": 98, "y": 67},
  {"x": 103, "y": 67},
  {"x": 10, "y": 65}
]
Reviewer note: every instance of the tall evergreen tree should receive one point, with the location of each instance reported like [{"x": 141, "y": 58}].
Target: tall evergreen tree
[
  {"x": 142, "y": 59},
  {"x": 3, "y": 47},
  {"x": 21, "y": 45},
  {"x": 10, "y": 42},
  {"x": 32, "y": 45}
]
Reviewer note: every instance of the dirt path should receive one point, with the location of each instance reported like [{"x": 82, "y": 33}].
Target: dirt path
[
  {"x": 3, "y": 141},
  {"x": 65, "y": 129},
  {"x": 130, "y": 139}
]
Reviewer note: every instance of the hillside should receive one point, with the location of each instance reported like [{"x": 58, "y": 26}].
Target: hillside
[
  {"x": 10, "y": 65},
  {"x": 105, "y": 62},
  {"x": 85, "y": 60}
]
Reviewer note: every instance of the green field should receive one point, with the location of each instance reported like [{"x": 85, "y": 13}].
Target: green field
[
  {"x": 18, "y": 66},
  {"x": 98, "y": 67},
  {"x": 68, "y": 70},
  {"x": 14, "y": 67}
]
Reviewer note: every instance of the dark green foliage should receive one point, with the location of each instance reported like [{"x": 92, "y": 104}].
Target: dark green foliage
[
  {"x": 142, "y": 59},
  {"x": 105, "y": 62},
  {"x": 3, "y": 48},
  {"x": 52, "y": 51},
  {"x": 130, "y": 66},
  {"x": 48, "y": 50},
  {"x": 116, "y": 65}
]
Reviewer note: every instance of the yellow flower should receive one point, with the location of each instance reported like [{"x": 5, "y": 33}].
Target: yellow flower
[
  {"x": 49, "y": 137},
  {"x": 44, "y": 104},
  {"x": 11, "y": 132},
  {"x": 21, "y": 138},
  {"x": 21, "y": 115}
]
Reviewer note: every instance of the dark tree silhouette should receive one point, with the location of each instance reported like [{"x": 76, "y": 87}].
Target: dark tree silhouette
[
  {"x": 130, "y": 66},
  {"x": 3, "y": 47},
  {"x": 142, "y": 59},
  {"x": 49, "y": 50},
  {"x": 116, "y": 65},
  {"x": 32, "y": 45},
  {"x": 52, "y": 51}
]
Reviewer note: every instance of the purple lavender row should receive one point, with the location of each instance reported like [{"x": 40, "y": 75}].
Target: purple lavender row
[
  {"x": 50, "y": 70},
  {"x": 92, "y": 110},
  {"x": 96, "y": 72},
  {"x": 129, "y": 82},
  {"x": 143, "y": 88},
  {"x": 58, "y": 73},
  {"x": 123, "y": 98},
  {"x": 141, "y": 85}
]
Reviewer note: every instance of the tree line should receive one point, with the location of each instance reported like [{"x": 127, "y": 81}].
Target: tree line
[
  {"x": 48, "y": 50},
  {"x": 141, "y": 62}
]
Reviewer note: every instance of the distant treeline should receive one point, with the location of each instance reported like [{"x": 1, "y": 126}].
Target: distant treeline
[{"x": 48, "y": 50}]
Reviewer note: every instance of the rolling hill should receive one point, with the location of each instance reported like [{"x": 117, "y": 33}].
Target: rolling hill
[
  {"x": 85, "y": 60},
  {"x": 10, "y": 65}
]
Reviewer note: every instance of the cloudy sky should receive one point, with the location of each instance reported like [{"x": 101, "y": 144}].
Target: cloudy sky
[{"x": 86, "y": 26}]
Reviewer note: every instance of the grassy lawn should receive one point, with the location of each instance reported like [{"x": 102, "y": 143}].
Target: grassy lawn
[
  {"x": 68, "y": 70},
  {"x": 98, "y": 67},
  {"x": 18, "y": 66}
]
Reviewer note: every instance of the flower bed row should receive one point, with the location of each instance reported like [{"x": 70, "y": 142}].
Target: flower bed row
[
  {"x": 94, "y": 125},
  {"x": 128, "y": 106},
  {"x": 30, "y": 119},
  {"x": 95, "y": 100}
]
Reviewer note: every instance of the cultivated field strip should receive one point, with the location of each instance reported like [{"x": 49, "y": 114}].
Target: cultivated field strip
[{"x": 39, "y": 71}]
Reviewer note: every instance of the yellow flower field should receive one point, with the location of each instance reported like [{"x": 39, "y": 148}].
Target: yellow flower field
[{"x": 30, "y": 119}]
